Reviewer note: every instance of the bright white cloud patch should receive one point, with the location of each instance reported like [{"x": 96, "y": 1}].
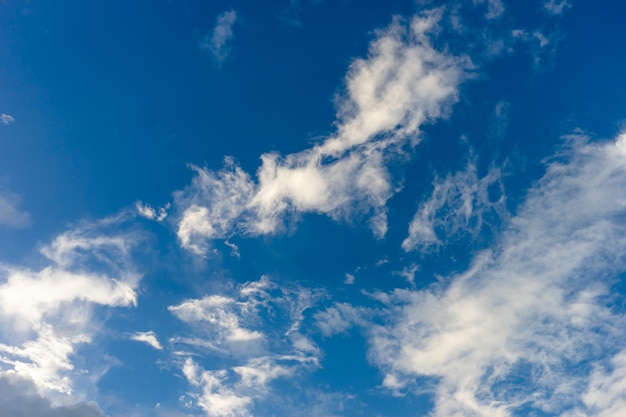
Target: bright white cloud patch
[
  {"x": 46, "y": 313},
  {"x": 256, "y": 329},
  {"x": 218, "y": 42},
  {"x": 149, "y": 338},
  {"x": 528, "y": 325},
  {"x": 402, "y": 84}
]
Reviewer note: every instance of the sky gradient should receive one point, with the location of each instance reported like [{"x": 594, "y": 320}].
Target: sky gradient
[{"x": 312, "y": 208}]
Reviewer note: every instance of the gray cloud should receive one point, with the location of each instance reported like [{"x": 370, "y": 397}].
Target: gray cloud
[{"x": 19, "y": 398}]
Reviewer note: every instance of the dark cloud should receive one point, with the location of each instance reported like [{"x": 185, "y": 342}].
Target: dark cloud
[{"x": 19, "y": 398}]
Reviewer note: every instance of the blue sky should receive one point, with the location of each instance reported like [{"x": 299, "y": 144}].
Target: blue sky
[{"x": 312, "y": 208}]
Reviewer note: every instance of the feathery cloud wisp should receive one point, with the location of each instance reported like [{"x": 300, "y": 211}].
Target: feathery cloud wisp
[
  {"x": 402, "y": 84},
  {"x": 534, "y": 309},
  {"x": 218, "y": 42}
]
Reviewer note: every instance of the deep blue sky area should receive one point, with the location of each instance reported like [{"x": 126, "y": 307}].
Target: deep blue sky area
[{"x": 321, "y": 208}]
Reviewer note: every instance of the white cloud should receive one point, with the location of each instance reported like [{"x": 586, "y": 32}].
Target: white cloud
[
  {"x": 456, "y": 207},
  {"x": 349, "y": 280},
  {"x": 255, "y": 330},
  {"x": 147, "y": 211},
  {"x": 6, "y": 119},
  {"x": 528, "y": 323},
  {"x": 606, "y": 392},
  {"x": 402, "y": 84},
  {"x": 10, "y": 215},
  {"x": 221, "y": 315},
  {"x": 46, "y": 313},
  {"x": 147, "y": 337},
  {"x": 557, "y": 7},
  {"x": 218, "y": 43}
]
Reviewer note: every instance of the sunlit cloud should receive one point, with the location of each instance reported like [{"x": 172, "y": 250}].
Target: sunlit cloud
[
  {"x": 528, "y": 325},
  {"x": 403, "y": 83}
]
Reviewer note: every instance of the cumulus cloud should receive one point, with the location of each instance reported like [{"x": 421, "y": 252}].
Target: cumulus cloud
[
  {"x": 149, "y": 338},
  {"x": 10, "y": 215},
  {"x": 403, "y": 83},
  {"x": 218, "y": 42},
  {"x": 529, "y": 325},
  {"x": 255, "y": 329},
  {"x": 457, "y": 206},
  {"x": 47, "y": 312},
  {"x": 20, "y": 398},
  {"x": 6, "y": 119}
]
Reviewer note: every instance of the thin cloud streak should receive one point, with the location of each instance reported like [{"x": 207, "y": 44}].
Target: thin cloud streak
[{"x": 218, "y": 43}]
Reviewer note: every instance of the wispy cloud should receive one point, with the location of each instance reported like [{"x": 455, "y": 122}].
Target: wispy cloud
[
  {"x": 495, "y": 8},
  {"x": 6, "y": 119},
  {"x": 455, "y": 208},
  {"x": 557, "y": 7},
  {"x": 10, "y": 214},
  {"x": 529, "y": 324},
  {"x": 48, "y": 311},
  {"x": 256, "y": 328},
  {"x": 149, "y": 338},
  {"x": 218, "y": 42},
  {"x": 402, "y": 84},
  {"x": 147, "y": 211}
]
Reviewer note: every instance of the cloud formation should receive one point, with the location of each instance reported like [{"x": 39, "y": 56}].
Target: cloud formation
[
  {"x": 256, "y": 331},
  {"x": 147, "y": 211},
  {"x": 556, "y": 7},
  {"x": 20, "y": 398},
  {"x": 149, "y": 338},
  {"x": 457, "y": 206},
  {"x": 529, "y": 326},
  {"x": 403, "y": 83},
  {"x": 46, "y": 313},
  {"x": 6, "y": 119},
  {"x": 218, "y": 42}
]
